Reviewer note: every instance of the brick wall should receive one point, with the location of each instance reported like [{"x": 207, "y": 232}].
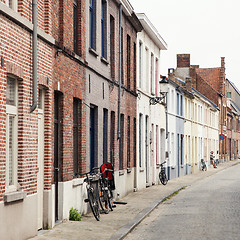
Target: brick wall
[
  {"x": 128, "y": 97},
  {"x": 70, "y": 79},
  {"x": 183, "y": 60},
  {"x": 15, "y": 48}
]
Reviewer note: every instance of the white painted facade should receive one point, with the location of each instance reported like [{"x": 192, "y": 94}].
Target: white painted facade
[
  {"x": 151, "y": 119},
  {"x": 200, "y": 130}
]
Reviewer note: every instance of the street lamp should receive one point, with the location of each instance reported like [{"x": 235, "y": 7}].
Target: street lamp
[{"x": 163, "y": 92}]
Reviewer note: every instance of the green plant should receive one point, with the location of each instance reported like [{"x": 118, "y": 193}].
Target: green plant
[{"x": 74, "y": 215}]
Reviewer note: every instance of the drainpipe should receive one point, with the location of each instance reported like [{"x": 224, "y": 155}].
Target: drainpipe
[
  {"x": 119, "y": 72},
  {"x": 34, "y": 52}
]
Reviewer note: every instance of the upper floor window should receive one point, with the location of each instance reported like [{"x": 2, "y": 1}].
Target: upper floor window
[
  {"x": 156, "y": 77},
  {"x": 229, "y": 94},
  {"x": 140, "y": 64},
  {"x": 128, "y": 61},
  {"x": 104, "y": 29},
  {"x": 11, "y": 134},
  {"x": 178, "y": 103},
  {"x": 92, "y": 24},
  {"x": 13, "y": 4},
  {"x": 75, "y": 26},
  {"x": 112, "y": 46},
  {"x": 152, "y": 74}
]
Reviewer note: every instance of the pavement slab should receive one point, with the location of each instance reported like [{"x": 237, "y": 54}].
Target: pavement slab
[{"x": 124, "y": 218}]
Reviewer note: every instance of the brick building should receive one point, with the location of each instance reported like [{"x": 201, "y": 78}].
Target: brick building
[
  {"x": 26, "y": 127},
  {"x": 211, "y": 83},
  {"x": 111, "y": 117},
  {"x": 233, "y": 123}
]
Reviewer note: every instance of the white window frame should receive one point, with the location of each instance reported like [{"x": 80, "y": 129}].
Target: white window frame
[
  {"x": 13, "y": 4},
  {"x": 12, "y": 110}
]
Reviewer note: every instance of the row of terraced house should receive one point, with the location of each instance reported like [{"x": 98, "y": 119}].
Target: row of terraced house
[{"x": 80, "y": 85}]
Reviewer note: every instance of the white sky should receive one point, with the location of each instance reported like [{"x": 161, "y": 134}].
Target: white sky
[{"x": 207, "y": 29}]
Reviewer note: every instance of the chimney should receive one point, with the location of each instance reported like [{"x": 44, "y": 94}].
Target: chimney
[
  {"x": 222, "y": 77},
  {"x": 183, "y": 60}
]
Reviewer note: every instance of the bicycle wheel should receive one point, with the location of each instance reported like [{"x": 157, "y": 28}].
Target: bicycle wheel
[
  {"x": 94, "y": 204},
  {"x": 101, "y": 199},
  {"x": 109, "y": 199},
  {"x": 163, "y": 178}
]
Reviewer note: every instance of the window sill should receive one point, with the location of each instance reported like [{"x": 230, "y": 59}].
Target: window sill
[
  {"x": 121, "y": 172},
  {"x": 93, "y": 52},
  {"x": 129, "y": 170},
  {"x": 104, "y": 60},
  {"x": 141, "y": 170},
  {"x": 158, "y": 165},
  {"x": 14, "y": 196},
  {"x": 77, "y": 182}
]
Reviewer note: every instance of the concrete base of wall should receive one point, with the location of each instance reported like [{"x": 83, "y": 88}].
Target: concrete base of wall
[
  {"x": 19, "y": 219},
  {"x": 72, "y": 194}
]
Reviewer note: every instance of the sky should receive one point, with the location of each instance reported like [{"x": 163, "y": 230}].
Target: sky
[{"x": 206, "y": 29}]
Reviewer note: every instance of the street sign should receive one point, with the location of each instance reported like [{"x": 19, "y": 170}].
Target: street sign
[{"x": 222, "y": 136}]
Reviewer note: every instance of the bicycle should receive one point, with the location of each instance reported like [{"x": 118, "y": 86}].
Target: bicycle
[
  {"x": 107, "y": 185},
  {"x": 92, "y": 192},
  {"x": 162, "y": 174},
  {"x": 203, "y": 165},
  {"x": 105, "y": 192}
]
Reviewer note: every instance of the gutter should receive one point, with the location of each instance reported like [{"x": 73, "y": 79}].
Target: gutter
[{"x": 34, "y": 52}]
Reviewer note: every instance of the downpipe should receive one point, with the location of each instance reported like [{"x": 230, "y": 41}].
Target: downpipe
[
  {"x": 119, "y": 73},
  {"x": 34, "y": 53}
]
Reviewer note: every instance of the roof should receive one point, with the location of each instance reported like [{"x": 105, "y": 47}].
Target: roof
[
  {"x": 203, "y": 96},
  {"x": 152, "y": 31}
]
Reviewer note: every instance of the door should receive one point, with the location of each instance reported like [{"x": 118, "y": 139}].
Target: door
[
  {"x": 40, "y": 175},
  {"x": 93, "y": 137},
  {"x": 58, "y": 145}
]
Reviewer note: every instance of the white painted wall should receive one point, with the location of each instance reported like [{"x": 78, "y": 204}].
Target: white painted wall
[{"x": 146, "y": 173}]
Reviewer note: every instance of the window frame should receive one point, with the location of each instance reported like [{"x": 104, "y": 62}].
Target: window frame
[{"x": 12, "y": 110}]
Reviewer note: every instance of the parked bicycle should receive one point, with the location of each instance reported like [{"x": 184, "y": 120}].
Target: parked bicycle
[
  {"x": 91, "y": 180},
  {"x": 162, "y": 174},
  {"x": 107, "y": 185},
  {"x": 105, "y": 193},
  {"x": 203, "y": 165}
]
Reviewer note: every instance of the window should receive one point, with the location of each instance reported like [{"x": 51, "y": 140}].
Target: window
[
  {"x": 13, "y": 4},
  {"x": 121, "y": 143},
  {"x": 181, "y": 105},
  {"x": 128, "y": 144},
  {"x": 92, "y": 24},
  {"x": 156, "y": 77},
  {"x": 140, "y": 140},
  {"x": 178, "y": 103},
  {"x": 128, "y": 61},
  {"x": 122, "y": 67},
  {"x": 112, "y": 46},
  {"x": 147, "y": 69},
  {"x": 76, "y": 133},
  {"x": 140, "y": 64},
  {"x": 104, "y": 29},
  {"x": 229, "y": 94},
  {"x": 11, "y": 134},
  {"x": 152, "y": 76},
  {"x": 75, "y": 26}
]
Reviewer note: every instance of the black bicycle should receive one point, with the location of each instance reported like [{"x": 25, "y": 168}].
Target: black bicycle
[
  {"x": 162, "y": 174},
  {"x": 105, "y": 193},
  {"x": 92, "y": 180}
]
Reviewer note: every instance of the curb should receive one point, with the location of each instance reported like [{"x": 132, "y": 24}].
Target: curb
[
  {"x": 123, "y": 231},
  {"x": 126, "y": 229}
]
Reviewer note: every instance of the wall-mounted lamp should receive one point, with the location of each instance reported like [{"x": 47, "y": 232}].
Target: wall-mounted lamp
[{"x": 163, "y": 92}]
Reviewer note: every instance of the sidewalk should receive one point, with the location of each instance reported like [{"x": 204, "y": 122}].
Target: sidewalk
[{"x": 124, "y": 218}]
